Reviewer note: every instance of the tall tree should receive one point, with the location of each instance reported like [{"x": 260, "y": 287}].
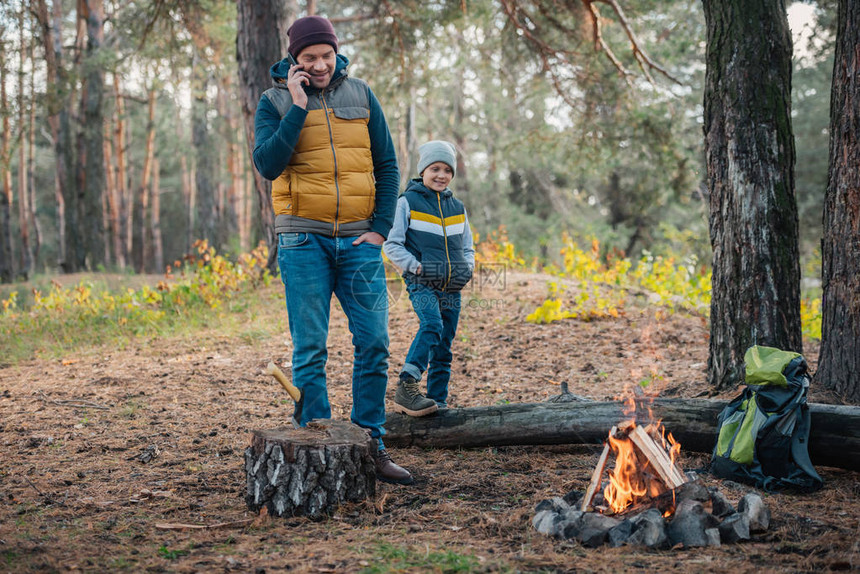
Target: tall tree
[
  {"x": 839, "y": 358},
  {"x": 749, "y": 150},
  {"x": 208, "y": 215},
  {"x": 57, "y": 115},
  {"x": 261, "y": 40},
  {"x": 124, "y": 228},
  {"x": 7, "y": 264},
  {"x": 31, "y": 162},
  {"x": 23, "y": 192},
  {"x": 90, "y": 212},
  {"x": 155, "y": 231},
  {"x": 142, "y": 221}
]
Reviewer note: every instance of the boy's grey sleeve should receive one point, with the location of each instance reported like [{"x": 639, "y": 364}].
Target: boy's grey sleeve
[
  {"x": 468, "y": 247},
  {"x": 395, "y": 245}
]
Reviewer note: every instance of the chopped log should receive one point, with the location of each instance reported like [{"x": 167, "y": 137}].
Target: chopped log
[
  {"x": 597, "y": 475},
  {"x": 834, "y": 439},
  {"x": 309, "y": 471},
  {"x": 660, "y": 461}
]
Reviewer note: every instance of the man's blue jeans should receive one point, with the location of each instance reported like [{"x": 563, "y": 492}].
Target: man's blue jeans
[
  {"x": 313, "y": 267},
  {"x": 438, "y": 313}
]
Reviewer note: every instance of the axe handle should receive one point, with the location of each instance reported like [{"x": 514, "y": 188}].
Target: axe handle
[{"x": 294, "y": 392}]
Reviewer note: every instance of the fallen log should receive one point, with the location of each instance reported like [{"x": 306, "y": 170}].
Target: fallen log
[{"x": 834, "y": 439}]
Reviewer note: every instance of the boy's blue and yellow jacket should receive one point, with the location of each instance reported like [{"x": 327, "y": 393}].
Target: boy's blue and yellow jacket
[
  {"x": 431, "y": 230},
  {"x": 333, "y": 166}
]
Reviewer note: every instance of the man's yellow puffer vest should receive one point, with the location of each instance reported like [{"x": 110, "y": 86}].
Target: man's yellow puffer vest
[{"x": 330, "y": 176}]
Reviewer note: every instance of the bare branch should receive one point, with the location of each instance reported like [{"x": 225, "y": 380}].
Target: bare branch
[
  {"x": 645, "y": 62},
  {"x": 399, "y": 33},
  {"x": 518, "y": 16},
  {"x": 599, "y": 41}
]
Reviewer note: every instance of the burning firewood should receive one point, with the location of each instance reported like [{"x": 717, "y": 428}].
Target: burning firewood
[
  {"x": 597, "y": 475},
  {"x": 645, "y": 470}
]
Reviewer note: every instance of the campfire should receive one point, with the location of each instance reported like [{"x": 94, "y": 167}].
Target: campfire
[
  {"x": 645, "y": 474},
  {"x": 646, "y": 498}
]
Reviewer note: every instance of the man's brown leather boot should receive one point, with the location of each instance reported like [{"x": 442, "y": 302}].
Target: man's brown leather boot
[{"x": 387, "y": 471}]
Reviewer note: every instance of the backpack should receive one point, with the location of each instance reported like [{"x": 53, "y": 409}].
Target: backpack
[{"x": 763, "y": 434}]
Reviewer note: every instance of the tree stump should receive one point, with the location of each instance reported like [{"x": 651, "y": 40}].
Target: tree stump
[{"x": 309, "y": 471}]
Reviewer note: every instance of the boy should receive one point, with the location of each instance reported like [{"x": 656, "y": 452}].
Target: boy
[{"x": 431, "y": 243}]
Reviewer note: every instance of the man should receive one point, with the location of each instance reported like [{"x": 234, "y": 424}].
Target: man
[{"x": 322, "y": 139}]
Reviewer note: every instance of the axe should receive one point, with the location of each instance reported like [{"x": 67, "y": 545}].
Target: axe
[{"x": 292, "y": 390}]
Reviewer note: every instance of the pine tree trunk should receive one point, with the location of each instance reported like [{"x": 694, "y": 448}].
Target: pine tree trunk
[
  {"x": 749, "y": 150},
  {"x": 157, "y": 243},
  {"x": 74, "y": 143},
  {"x": 143, "y": 251},
  {"x": 260, "y": 42},
  {"x": 234, "y": 199},
  {"x": 243, "y": 192},
  {"x": 839, "y": 358},
  {"x": 31, "y": 166},
  {"x": 117, "y": 176},
  {"x": 460, "y": 123},
  {"x": 115, "y": 191},
  {"x": 124, "y": 202},
  {"x": 184, "y": 171},
  {"x": 188, "y": 201},
  {"x": 206, "y": 189},
  {"x": 53, "y": 59},
  {"x": 23, "y": 192},
  {"x": 309, "y": 471},
  {"x": 111, "y": 209},
  {"x": 91, "y": 212},
  {"x": 7, "y": 262}
]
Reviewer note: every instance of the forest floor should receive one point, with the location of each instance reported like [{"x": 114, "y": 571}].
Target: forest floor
[{"x": 100, "y": 450}]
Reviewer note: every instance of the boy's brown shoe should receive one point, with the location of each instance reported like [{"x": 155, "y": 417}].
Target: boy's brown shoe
[
  {"x": 409, "y": 400},
  {"x": 387, "y": 471}
]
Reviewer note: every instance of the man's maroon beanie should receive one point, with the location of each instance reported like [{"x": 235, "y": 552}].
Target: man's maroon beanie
[{"x": 308, "y": 31}]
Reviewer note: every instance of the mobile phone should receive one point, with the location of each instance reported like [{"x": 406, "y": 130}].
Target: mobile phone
[{"x": 291, "y": 61}]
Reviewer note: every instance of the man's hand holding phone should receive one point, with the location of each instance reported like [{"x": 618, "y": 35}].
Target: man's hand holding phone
[{"x": 296, "y": 78}]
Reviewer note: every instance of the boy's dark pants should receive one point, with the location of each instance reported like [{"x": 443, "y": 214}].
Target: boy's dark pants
[{"x": 438, "y": 313}]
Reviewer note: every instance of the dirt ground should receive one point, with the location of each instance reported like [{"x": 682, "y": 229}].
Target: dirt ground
[{"x": 103, "y": 453}]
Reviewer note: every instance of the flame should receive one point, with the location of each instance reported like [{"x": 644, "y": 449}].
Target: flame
[
  {"x": 626, "y": 484},
  {"x": 634, "y": 480}
]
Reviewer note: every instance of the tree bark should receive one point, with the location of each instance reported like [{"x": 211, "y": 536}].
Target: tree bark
[
  {"x": 261, "y": 40},
  {"x": 7, "y": 262},
  {"x": 749, "y": 150},
  {"x": 110, "y": 195},
  {"x": 143, "y": 251},
  {"x": 234, "y": 197},
  {"x": 75, "y": 143},
  {"x": 123, "y": 237},
  {"x": 155, "y": 232},
  {"x": 188, "y": 201},
  {"x": 56, "y": 116},
  {"x": 839, "y": 358},
  {"x": 208, "y": 218},
  {"x": 31, "y": 165},
  {"x": 23, "y": 193},
  {"x": 309, "y": 471},
  {"x": 460, "y": 123},
  {"x": 91, "y": 213},
  {"x": 833, "y": 441}
]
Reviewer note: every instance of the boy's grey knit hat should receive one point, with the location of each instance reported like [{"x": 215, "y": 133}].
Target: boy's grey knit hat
[{"x": 437, "y": 150}]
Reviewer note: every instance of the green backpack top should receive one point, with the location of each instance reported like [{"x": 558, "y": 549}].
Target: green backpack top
[{"x": 763, "y": 433}]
